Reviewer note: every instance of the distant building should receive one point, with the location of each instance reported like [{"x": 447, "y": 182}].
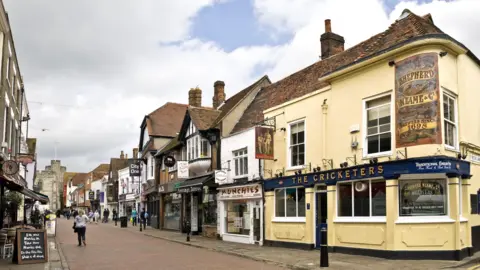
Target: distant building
[{"x": 50, "y": 183}]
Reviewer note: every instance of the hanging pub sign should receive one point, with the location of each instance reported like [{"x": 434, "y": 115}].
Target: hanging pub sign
[
  {"x": 417, "y": 101},
  {"x": 134, "y": 168},
  {"x": 169, "y": 161},
  {"x": 182, "y": 169},
  {"x": 91, "y": 195},
  {"x": 221, "y": 177},
  {"x": 263, "y": 143}
]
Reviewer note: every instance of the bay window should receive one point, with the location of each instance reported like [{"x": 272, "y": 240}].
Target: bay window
[
  {"x": 361, "y": 199},
  {"x": 198, "y": 147},
  {"x": 290, "y": 202},
  {"x": 378, "y": 137},
  {"x": 423, "y": 197}
]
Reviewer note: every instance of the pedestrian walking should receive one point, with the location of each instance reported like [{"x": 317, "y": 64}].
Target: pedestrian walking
[
  {"x": 104, "y": 216},
  {"x": 134, "y": 217},
  {"x": 90, "y": 216},
  {"x": 144, "y": 216},
  {"x": 96, "y": 217},
  {"x": 114, "y": 214},
  {"x": 80, "y": 227}
]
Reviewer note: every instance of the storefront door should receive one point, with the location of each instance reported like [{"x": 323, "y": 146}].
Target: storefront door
[
  {"x": 256, "y": 222},
  {"x": 320, "y": 215}
]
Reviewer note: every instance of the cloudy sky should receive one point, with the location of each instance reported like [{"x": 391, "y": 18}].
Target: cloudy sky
[{"x": 93, "y": 69}]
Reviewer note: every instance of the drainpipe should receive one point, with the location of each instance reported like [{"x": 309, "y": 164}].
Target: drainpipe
[
  {"x": 324, "y": 128},
  {"x": 21, "y": 120}
]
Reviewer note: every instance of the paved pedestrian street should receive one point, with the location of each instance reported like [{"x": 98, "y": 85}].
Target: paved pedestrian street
[{"x": 110, "y": 247}]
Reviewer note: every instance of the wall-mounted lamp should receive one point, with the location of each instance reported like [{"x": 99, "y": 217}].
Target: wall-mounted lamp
[
  {"x": 442, "y": 54},
  {"x": 391, "y": 63},
  {"x": 317, "y": 169},
  {"x": 344, "y": 165},
  {"x": 283, "y": 129}
]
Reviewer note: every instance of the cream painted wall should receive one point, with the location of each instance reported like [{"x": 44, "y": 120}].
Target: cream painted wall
[{"x": 458, "y": 74}]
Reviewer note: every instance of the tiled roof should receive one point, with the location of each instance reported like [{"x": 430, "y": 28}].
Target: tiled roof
[
  {"x": 79, "y": 178},
  {"x": 235, "y": 99},
  {"x": 203, "y": 118},
  {"x": 105, "y": 167},
  {"x": 306, "y": 80},
  {"x": 115, "y": 165},
  {"x": 67, "y": 176},
  {"x": 166, "y": 120}
]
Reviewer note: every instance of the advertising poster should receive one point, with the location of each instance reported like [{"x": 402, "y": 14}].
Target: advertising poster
[
  {"x": 263, "y": 143},
  {"x": 417, "y": 101}
]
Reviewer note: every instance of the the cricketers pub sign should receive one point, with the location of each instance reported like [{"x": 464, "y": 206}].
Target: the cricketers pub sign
[{"x": 417, "y": 101}]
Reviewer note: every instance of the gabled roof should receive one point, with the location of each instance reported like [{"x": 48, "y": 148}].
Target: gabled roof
[
  {"x": 401, "y": 32},
  {"x": 165, "y": 121},
  {"x": 232, "y": 102},
  {"x": 203, "y": 118},
  {"x": 105, "y": 167},
  {"x": 67, "y": 176},
  {"x": 172, "y": 144},
  {"x": 79, "y": 178}
]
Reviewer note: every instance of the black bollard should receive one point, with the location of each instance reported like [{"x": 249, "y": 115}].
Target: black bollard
[
  {"x": 140, "y": 224},
  {"x": 323, "y": 246},
  {"x": 115, "y": 221},
  {"x": 188, "y": 228}
]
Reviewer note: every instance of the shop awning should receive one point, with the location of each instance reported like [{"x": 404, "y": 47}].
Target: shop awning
[
  {"x": 195, "y": 184},
  {"x": 34, "y": 195}
]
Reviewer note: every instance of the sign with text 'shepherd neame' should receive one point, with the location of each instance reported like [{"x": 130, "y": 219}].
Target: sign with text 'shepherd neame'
[
  {"x": 134, "y": 168},
  {"x": 417, "y": 99}
]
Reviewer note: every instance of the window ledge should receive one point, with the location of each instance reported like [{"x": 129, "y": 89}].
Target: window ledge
[
  {"x": 237, "y": 235},
  {"x": 294, "y": 168},
  {"x": 240, "y": 176},
  {"x": 289, "y": 219},
  {"x": 360, "y": 220},
  {"x": 452, "y": 149},
  {"x": 377, "y": 155},
  {"x": 462, "y": 219},
  {"x": 412, "y": 220}
]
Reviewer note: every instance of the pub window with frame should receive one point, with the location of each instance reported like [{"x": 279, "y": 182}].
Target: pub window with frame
[
  {"x": 290, "y": 202},
  {"x": 378, "y": 125},
  {"x": 423, "y": 197},
  {"x": 297, "y": 144},
  {"x": 450, "y": 120},
  {"x": 240, "y": 158},
  {"x": 361, "y": 199}
]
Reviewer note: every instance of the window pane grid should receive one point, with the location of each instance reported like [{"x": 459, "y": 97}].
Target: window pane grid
[
  {"x": 366, "y": 200},
  {"x": 297, "y": 144},
  {"x": 378, "y": 138},
  {"x": 290, "y": 202}
]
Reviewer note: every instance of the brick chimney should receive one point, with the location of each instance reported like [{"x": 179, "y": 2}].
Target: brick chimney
[
  {"x": 135, "y": 153},
  {"x": 195, "y": 97},
  {"x": 330, "y": 42},
  {"x": 126, "y": 156},
  {"x": 218, "y": 93},
  {"x": 122, "y": 156}
]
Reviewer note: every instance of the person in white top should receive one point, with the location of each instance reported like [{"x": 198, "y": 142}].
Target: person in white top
[
  {"x": 96, "y": 217},
  {"x": 80, "y": 225}
]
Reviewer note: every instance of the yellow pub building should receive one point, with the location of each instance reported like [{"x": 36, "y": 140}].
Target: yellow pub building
[{"x": 380, "y": 144}]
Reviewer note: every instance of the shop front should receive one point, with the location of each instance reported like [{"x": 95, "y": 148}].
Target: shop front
[
  {"x": 126, "y": 204},
  {"x": 402, "y": 209},
  {"x": 171, "y": 214},
  {"x": 199, "y": 199},
  {"x": 241, "y": 213}
]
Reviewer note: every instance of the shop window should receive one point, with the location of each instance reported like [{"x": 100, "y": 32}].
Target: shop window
[
  {"x": 210, "y": 207},
  {"x": 361, "y": 199},
  {"x": 474, "y": 204},
  {"x": 423, "y": 197},
  {"x": 238, "y": 218},
  {"x": 378, "y": 137},
  {"x": 290, "y": 202},
  {"x": 296, "y": 146},
  {"x": 450, "y": 120},
  {"x": 240, "y": 159}
]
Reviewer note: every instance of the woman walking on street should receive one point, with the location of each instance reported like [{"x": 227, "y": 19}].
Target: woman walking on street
[
  {"x": 96, "y": 216},
  {"x": 81, "y": 227}
]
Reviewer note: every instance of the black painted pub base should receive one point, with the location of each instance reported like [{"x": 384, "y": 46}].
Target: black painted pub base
[{"x": 454, "y": 255}]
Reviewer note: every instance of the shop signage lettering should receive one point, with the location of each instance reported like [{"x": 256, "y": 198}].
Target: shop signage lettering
[
  {"x": 189, "y": 189},
  {"x": 433, "y": 165},
  {"x": 420, "y": 197},
  {"x": 220, "y": 176},
  {"x": 134, "y": 169},
  {"x": 475, "y": 158},
  {"x": 161, "y": 188},
  {"x": 347, "y": 174},
  {"x": 417, "y": 101},
  {"x": 242, "y": 192}
]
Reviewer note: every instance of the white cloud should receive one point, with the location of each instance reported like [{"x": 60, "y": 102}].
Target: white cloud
[{"x": 115, "y": 61}]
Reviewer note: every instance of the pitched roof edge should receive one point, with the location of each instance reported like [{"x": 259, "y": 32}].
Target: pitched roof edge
[
  {"x": 253, "y": 86},
  {"x": 446, "y": 37}
]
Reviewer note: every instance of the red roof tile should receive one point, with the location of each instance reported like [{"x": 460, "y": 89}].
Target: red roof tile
[{"x": 167, "y": 120}]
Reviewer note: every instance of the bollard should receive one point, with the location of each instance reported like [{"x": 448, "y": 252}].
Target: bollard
[
  {"x": 188, "y": 228},
  {"x": 115, "y": 221},
  {"x": 323, "y": 246},
  {"x": 140, "y": 224}
]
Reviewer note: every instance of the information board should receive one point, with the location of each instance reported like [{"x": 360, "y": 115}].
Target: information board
[{"x": 31, "y": 246}]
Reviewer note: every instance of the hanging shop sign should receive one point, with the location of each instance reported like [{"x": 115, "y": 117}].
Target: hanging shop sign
[
  {"x": 221, "y": 177},
  {"x": 134, "y": 168},
  {"x": 169, "y": 161},
  {"x": 417, "y": 101},
  {"x": 182, "y": 169},
  {"x": 240, "y": 192},
  {"x": 264, "y": 143},
  {"x": 91, "y": 195},
  {"x": 10, "y": 167}
]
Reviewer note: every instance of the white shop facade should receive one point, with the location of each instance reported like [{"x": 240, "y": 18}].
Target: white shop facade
[{"x": 241, "y": 212}]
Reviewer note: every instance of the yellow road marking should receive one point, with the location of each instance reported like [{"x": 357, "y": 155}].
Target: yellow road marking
[{"x": 476, "y": 267}]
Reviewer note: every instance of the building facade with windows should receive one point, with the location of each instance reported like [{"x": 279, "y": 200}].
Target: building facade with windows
[{"x": 377, "y": 143}]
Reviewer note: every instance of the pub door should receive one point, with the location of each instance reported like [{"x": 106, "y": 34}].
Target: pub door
[
  {"x": 320, "y": 215},
  {"x": 257, "y": 222}
]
